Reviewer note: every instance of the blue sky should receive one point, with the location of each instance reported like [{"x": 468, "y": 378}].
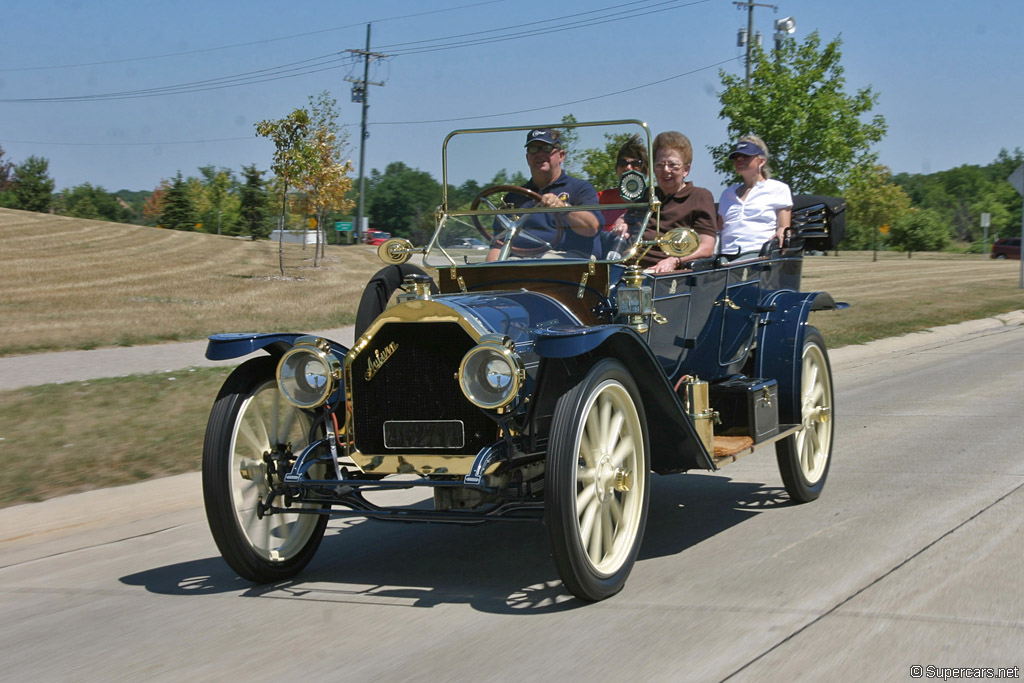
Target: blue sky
[{"x": 948, "y": 75}]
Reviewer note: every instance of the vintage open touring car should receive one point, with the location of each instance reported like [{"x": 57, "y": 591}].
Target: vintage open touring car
[{"x": 522, "y": 383}]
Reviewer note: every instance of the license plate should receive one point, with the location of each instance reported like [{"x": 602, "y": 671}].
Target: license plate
[{"x": 424, "y": 434}]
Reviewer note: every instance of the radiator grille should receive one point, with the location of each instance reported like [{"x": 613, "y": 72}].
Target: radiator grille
[{"x": 417, "y": 382}]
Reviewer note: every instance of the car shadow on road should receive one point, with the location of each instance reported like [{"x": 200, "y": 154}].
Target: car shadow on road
[{"x": 501, "y": 568}]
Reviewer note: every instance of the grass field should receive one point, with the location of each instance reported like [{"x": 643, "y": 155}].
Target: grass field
[{"x": 70, "y": 283}]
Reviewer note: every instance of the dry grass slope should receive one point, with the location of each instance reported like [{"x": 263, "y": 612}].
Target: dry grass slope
[{"x": 70, "y": 283}]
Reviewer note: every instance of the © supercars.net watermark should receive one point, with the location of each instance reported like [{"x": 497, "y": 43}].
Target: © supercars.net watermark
[{"x": 951, "y": 673}]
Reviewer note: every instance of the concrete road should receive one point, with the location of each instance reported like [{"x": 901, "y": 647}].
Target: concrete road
[
  {"x": 78, "y": 366},
  {"x": 912, "y": 557}
]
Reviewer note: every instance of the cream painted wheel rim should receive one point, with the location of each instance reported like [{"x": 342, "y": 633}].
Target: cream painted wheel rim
[
  {"x": 265, "y": 420},
  {"x": 814, "y": 441},
  {"x": 610, "y": 477}
]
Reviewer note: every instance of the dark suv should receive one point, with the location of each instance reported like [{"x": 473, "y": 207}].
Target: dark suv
[{"x": 1008, "y": 247}]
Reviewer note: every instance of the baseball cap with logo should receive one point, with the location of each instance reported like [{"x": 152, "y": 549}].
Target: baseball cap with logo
[{"x": 548, "y": 136}]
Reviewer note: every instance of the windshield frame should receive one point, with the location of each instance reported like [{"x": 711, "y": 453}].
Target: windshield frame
[{"x": 445, "y": 212}]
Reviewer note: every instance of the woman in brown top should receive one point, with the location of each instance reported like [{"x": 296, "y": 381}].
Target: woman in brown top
[{"x": 682, "y": 204}]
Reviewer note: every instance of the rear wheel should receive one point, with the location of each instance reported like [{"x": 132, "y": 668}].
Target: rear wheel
[
  {"x": 804, "y": 458},
  {"x": 596, "y": 495},
  {"x": 251, "y": 422}
]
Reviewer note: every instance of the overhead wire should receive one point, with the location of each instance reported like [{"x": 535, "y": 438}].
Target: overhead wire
[
  {"x": 340, "y": 60},
  {"x": 247, "y": 44},
  {"x": 561, "y": 104},
  {"x": 275, "y": 73},
  {"x": 519, "y": 32}
]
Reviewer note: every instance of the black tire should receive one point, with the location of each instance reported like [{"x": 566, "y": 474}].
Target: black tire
[
  {"x": 595, "y": 508},
  {"x": 251, "y": 417},
  {"x": 378, "y": 292},
  {"x": 805, "y": 457}
]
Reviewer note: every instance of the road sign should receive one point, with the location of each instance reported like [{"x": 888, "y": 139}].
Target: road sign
[
  {"x": 1017, "y": 179},
  {"x": 884, "y": 229},
  {"x": 343, "y": 226}
]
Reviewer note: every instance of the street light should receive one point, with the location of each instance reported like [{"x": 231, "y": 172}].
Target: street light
[{"x": 783, "y": 27}]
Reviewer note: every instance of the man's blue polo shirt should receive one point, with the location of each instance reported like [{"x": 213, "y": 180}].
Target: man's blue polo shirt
[{"x": 572, "y": 191}]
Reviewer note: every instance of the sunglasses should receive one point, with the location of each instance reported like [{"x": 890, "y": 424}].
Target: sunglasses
[
  {"x": 541, "y": 148},
  {"x": 631, "y": 163}
]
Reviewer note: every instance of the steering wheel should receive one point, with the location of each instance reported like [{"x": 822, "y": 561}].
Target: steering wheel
[{"x": 507, "y": 223}]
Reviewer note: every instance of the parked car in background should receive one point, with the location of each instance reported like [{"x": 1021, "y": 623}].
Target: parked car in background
[
  {"x": 469, "y": 243},
  {"x": 377, "y": 237},
  {"x": 1005, "y": 248}
]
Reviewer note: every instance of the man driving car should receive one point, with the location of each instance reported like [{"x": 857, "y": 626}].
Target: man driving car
[{"x": 570, "y": 234}]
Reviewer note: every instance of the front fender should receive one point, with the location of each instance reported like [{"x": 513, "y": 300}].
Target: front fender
[
  {"x": 675, "y": 445},
  {"x": 236, "y": 345},
  {"x": 565, "y": 341}
]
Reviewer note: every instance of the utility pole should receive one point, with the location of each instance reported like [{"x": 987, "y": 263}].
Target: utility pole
[
  {"x": 360, "y": 93},
  {"x": 749, "y": 37}
]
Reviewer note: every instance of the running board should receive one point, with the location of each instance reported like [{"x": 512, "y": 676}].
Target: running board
[{"x": 731, "y": 448}]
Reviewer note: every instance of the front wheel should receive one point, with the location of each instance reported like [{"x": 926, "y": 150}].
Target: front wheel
[
  {"x": 249, "y": 424},
  {"x": 596, "y": 495},
  {"x": 804, "y": 457}
]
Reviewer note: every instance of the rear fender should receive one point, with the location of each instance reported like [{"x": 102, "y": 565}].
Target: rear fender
[{"x": 780, "y": 344}]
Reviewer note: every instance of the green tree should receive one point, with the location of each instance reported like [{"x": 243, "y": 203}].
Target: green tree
[
  {"x": 503, "y": 177},
  {"x": 872, "y": 201},
  {"x": 217, "y": 200},
  {"x": 6, "y": 171},
  {"x": 570, "y": 143},
  {"x": 324, "y": 176},
  {"x": 33, "y": 186},
  {"x": 963, "y": 193},
  {"x": 815, "y": 132},
  {"x": 86, "y": 201},
  {"x": 253, "y": 204},
  {"x": 919, "y": 230},
  {"x": 599, "y": 164},
  {"x": 289, "y": 137},
  {"x": 178, "y": 211},
  {"x": 402, "y": 201}
]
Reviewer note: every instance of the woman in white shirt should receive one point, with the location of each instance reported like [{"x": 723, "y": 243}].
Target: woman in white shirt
[{"x": 759, "y": 208}]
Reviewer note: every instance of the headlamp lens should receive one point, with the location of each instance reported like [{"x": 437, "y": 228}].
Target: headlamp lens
[
  {"x": 305, "y": 377},
  {"x": 489, "y": 376}
]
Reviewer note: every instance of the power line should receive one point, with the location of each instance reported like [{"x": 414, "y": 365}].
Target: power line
[
  {"x": 564, "y": 104},
  {"x": 290, "y": 70},
  {"x": 283, "y": 71},
  {"x": 403, "y": 123},
  {"x": 247, "y": 44},
  {"x": 123, "y": 144},
  {"x": 396, "y": 48}
]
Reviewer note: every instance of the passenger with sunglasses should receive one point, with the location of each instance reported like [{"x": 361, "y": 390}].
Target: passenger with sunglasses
[
  {"x": 632, "y": 157},
  {"x": 683, "y": 205},
  {"x": 570, "y": 234}
]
